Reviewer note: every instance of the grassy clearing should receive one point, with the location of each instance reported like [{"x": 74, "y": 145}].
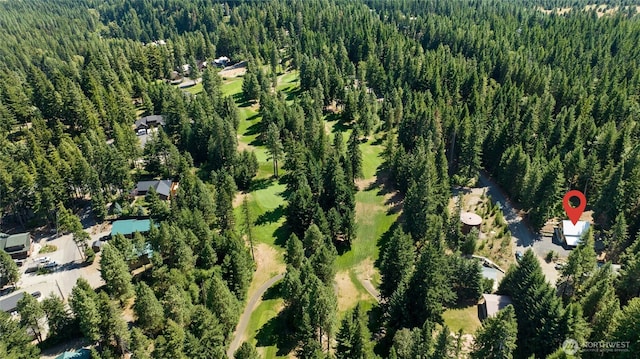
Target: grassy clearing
[
  {"x": 265, "y": 313},
  {"x": 232, "y": 86},
  {"x": 371, "y": 159},
  {"x": 463, "y": 318},
  {"x": 289, "y": 81},
  {"x": 195, "y": 89},
  {"x": 373, "y": 221}
]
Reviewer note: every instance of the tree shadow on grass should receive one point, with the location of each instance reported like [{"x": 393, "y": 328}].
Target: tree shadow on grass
[
  {"x": 261, "y": 183},
  {"x": 384, "y": 240},
  {"x": 276, "y": 332},
  {"x": 241, "y": 100},
  {"x": 271, "y": 216},
  {"x": 274, "y": 292},
  {"x": 254, "y": 129},
  {"x": 281, "y": 235}
]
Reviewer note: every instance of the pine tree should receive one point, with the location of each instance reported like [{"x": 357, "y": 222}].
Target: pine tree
[
  {"x": 354, "y": 153},
  {"x": 274, "y": 146},
  {"x": 246, "y": 351},
  {"x": 139, "y": 344},
  {"x": 115, "y": 273},
  {"x": 626, "y": 329},
  {"x": 170, "y": 345},
  {"x": 113, "y": 328},
  {"x": 294, "y": 256},
  {"x": 537, "y": 307},
  {"x": 9, "y": 273},
  {"x": 428, "y": 290},
  {"x": 397, "y": 261},
  {"x": 31, "y": 312},
  {"x": 222, "y": 303},
  {"x": 15, "y": 343},
  {"x": 497, "y": 337},
  {"x": 84, "y": 304},
  {"x": 353, "y": 337},
  {"x": 58, "y": 317},
  {"x": 148, "y": 310}
]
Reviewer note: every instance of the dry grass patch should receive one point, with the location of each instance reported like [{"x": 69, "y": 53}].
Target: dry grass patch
[
  {"x": 269, "y": 263},
  {"x": 347, "y": 292}
]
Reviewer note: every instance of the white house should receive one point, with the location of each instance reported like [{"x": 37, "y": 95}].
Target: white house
[{"x": 572, "y": 234}]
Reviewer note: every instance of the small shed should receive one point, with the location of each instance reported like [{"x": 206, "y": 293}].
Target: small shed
[
  {"x": 469, "y": 221},
  {"x": 490, "y": 304}
]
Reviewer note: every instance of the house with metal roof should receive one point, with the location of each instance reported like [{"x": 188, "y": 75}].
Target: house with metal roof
[
  {"x": 19, "y": 246},
  {"x": 164, "y": 188},
  {"x": 572, "y": 233},
  {"x": 128, "y": 227}
]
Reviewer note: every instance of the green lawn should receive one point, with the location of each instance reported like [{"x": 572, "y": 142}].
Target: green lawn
[
  {"x": 195, "y": 89},
  {"x": 463, "y": 318},
  {"x": 265, "y": 313},
  {"x": 373, "y": 221},
  {"x": 232, "y": 86},
  {"x": 267, "y": 210},
  {"x": 371, "y": 159},
  {"x": 289, "y": 81}
]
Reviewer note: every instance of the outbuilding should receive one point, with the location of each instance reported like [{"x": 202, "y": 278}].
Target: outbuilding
[{"x": 469, "y": 221}]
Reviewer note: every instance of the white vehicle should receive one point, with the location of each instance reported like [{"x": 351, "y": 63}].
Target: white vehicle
[
  {"x": 50, "y": 265},
  {"x": 142, "y": 131},
  {"x": 43, "y": 260}
]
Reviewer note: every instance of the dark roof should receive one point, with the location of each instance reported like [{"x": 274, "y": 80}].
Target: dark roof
[
  {"x": 10, "y": 303},
  {"x": 162, "y": 187},
  {"x": 153, "y": 120},
  {"x": 495, "y": 303}
]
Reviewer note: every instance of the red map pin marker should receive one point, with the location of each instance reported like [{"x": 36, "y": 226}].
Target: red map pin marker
[{"x": 574, "y": 213}]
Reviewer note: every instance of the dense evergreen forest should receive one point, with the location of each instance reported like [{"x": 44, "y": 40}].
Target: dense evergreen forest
[{"x": 542, "y": 102}]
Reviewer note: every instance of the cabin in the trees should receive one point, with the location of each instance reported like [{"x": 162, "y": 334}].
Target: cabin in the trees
[
  {"x": 19, "y": 246},
  {"x": 128, "y": 227},
  {"x": 148, "y": 122},
  {"x": 221, "y": 61},
  {"x": 164, "y": 188},
  {"x": 490, "y": 304},
  {"x": 571, "y": 234}
]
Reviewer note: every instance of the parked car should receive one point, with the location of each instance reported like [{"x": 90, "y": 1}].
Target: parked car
[
  {"x": 36, "y": 294},
  {"x": 31, "y": 270},
  {"x": 560, "y": 266},
  {"x": 50, "y": 265},
  {"x": 518, "y": 256},
  {"x": 43, "y": 260},
  {"x": 19, "y": 263}
]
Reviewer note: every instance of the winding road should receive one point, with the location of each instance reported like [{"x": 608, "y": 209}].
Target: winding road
[
  {"x": 238, "y": 335},
  {"x": 523, "y": 237}
]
